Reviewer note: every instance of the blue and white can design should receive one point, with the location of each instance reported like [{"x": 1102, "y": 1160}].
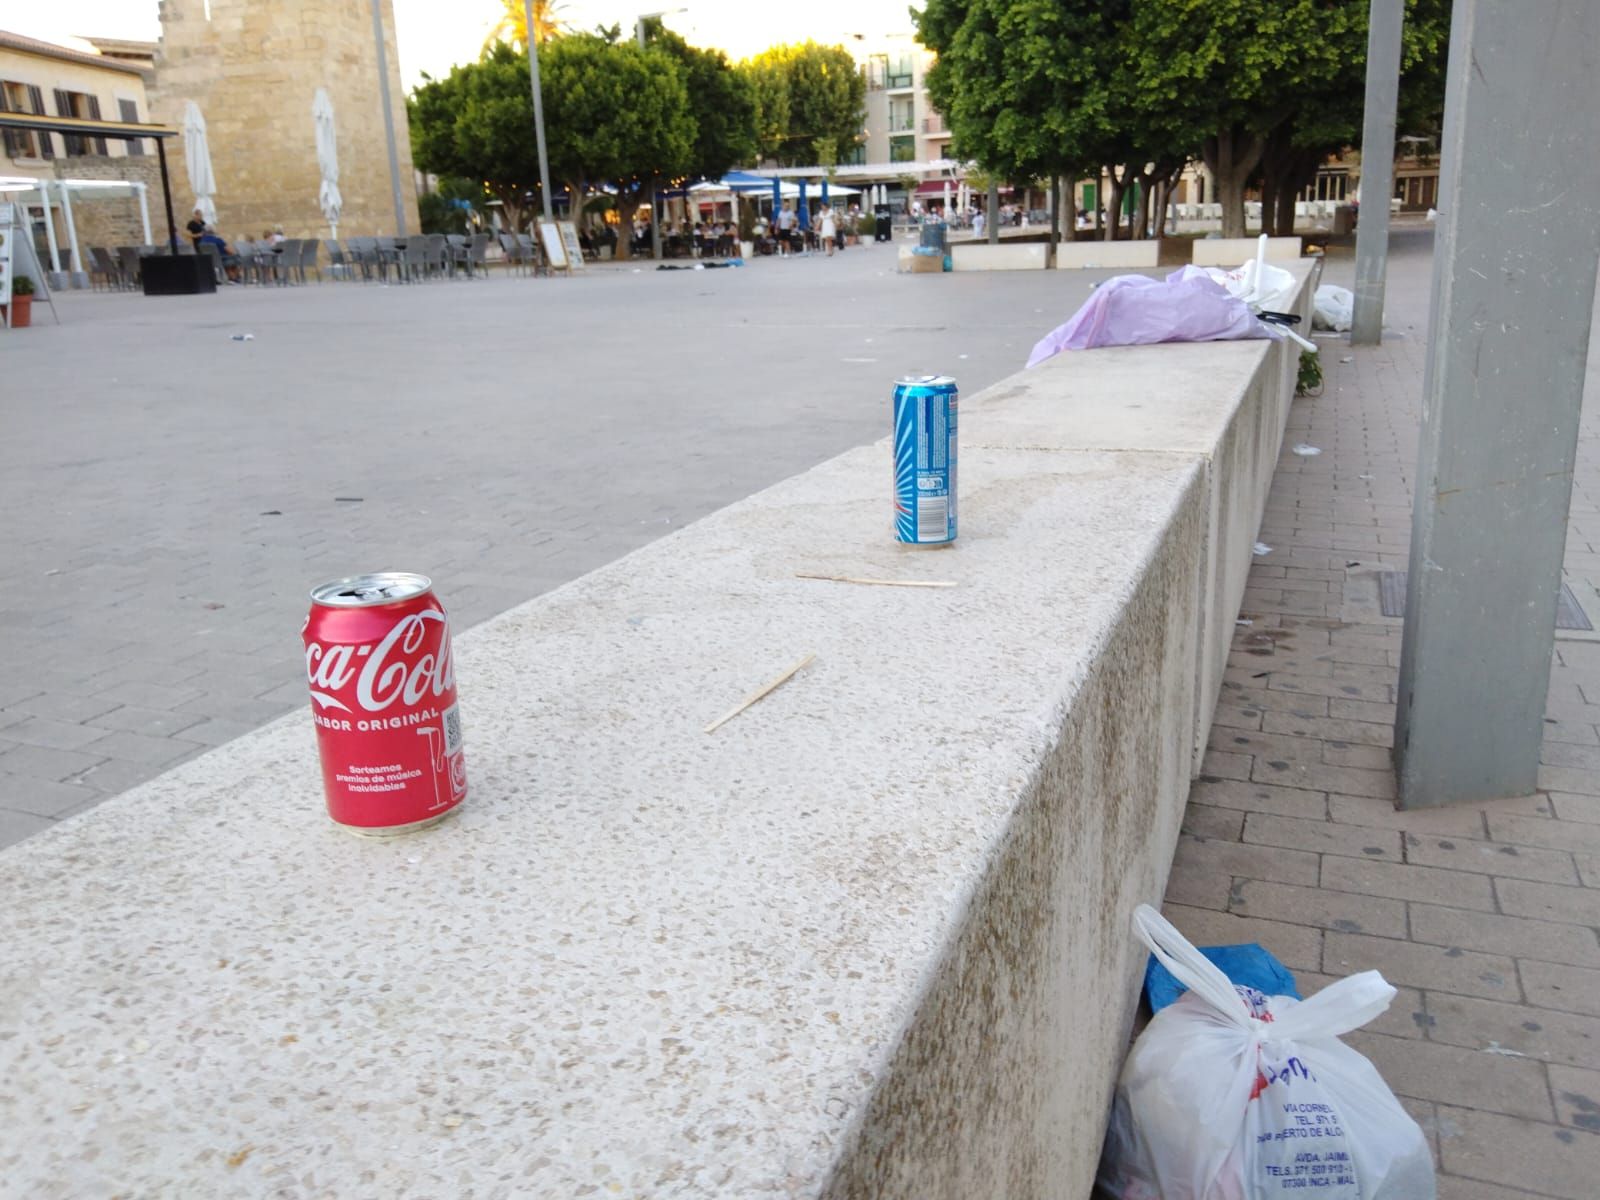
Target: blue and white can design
[{"x": 925, "y": 459}]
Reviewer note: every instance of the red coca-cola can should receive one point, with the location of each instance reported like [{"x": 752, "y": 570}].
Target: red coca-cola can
[{"x": 383, "y": 694}]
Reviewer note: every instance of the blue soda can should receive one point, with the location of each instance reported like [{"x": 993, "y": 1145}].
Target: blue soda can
[{"x": 925, "y": 459}]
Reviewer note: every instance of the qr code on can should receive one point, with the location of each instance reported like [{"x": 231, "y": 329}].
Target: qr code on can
[{"x": 452, "y": 729}]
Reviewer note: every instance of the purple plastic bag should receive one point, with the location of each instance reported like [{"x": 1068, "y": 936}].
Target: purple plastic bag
[{"x": 1135, "y": 310}]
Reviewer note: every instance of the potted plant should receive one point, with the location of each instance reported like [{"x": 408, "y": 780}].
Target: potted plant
[{"x": 21, "y": 302}]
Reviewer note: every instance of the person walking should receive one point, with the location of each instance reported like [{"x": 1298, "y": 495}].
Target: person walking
[
  {"x": 786, "y": 230},
  {"x": 829, "y": 228}
]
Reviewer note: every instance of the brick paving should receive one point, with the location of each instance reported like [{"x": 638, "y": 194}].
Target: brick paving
[{"x": 1483, "y": 916}]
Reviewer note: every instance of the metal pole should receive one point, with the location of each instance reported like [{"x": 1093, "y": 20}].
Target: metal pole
[
  {"x": 144, "y": 208},
  {"x": 1377, "y": 169},
  {"x": 1055, "y": 218},
  {"x": 50, "y": 230},
  {"x": 655, "y": 226},
  {"x": 1513, "y": 296},
  {"x": 992, "y": 220},
  {"x": 388, "y": 117},
  {"x": 546, "y": 199},
  {"x": 77, "y": 270},
  {"x": 166, "y": 196}
]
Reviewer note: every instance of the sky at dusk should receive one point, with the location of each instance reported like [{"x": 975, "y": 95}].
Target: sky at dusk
[{"x": 434, "y": 35}]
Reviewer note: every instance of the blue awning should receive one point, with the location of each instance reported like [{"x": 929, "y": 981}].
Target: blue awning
[{"x": 743, "y": 181}]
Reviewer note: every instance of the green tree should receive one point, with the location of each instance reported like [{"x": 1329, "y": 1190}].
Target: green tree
[
  {"x": 1327, "y": 117},
  {"x": 441, "y": 209},
  {"x": 1035, "y": 88},
  {"x": 722, "y": 101},
  {"x": 805, "y": 94},
  {"x": 1136, "y": 87},
  {"x": 1273, "y": 85},
  {"x": 624, "y": 116},
  {"x": 613, "y": 113}
]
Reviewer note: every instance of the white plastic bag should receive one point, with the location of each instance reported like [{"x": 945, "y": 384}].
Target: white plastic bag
[
  {"x": 1229, "y": 1094},
  {"x": 1259, "y": 284},
  {"x": 1335, "y": 308}
]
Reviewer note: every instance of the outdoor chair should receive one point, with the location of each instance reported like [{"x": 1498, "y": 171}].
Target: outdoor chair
[
  {"x": 338, "y": 266},
  {"x": 438, "y": 255},
  {"x": 511, "y": 248},
  {"x": 456, "y": 251},
  {"x": 103, "y": 265},
  {"x": 388, "y": 255},
  {"x": 478, "y": 254},
  {"x": 287, "y": 262},
  {"x": 308, "y": 259},
  {"x": 249, "y": 266},
  {"x": 128, "y": 259},
  {"x": 210, "y": 251},
  {"x": 363, "y": 256},
  {"x": 415, "y": 259}
]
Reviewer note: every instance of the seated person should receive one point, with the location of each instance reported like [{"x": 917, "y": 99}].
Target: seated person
[{"x": 230, "y": 260}]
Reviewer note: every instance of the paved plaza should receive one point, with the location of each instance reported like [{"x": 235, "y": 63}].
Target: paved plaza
[
  {"x": 1484, "y": 916},
  {"x": 174, "y": 493}
]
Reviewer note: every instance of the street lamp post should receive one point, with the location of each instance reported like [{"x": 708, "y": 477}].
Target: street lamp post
[
  {"x": 545, "y": 198},
  {"x": 388, "y": 116},
  {"x": 655, "y": 226}
]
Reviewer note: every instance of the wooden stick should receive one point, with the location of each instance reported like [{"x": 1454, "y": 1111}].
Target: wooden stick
[
  {"x": 876, "y": 582},
  {"x": 758, "y": 694}
]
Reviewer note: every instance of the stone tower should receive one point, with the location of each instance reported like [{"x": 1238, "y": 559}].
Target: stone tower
[{"x": 253, "y": 67}]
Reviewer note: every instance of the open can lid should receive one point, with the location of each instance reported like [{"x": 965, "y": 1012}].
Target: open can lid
[{"x": 365, "y": 591}]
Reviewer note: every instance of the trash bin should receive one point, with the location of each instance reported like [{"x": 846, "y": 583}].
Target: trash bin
[
  {"x": 885, "y": 224},
  {"x": 935, "y": 234}
]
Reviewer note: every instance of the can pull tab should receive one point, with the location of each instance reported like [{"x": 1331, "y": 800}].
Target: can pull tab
[{"x": 365, "y": 594}]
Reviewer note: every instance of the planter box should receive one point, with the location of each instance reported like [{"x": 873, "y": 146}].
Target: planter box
[
  {"x": 20, "y": 313},
  {"x": 177, "y": 275},
  {"x": 1231, "y": 252},
  {"x": 1006, "y": 256},
  {"x": 1082, "y": 256}
]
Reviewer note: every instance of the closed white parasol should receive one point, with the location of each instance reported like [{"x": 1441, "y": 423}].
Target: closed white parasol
[
  {"x": 327, "y": 159},
  {"x": 197, "y": 157}
]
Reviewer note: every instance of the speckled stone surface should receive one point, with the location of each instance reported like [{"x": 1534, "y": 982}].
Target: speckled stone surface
[
  {"x": 868, "y": 939},
  {"x": 1225, "y": 403}
]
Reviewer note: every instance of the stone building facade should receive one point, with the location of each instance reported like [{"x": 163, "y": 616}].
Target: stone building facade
[
  {"x": 113, "y": 221},
  {"x": 253, "y": 67}
]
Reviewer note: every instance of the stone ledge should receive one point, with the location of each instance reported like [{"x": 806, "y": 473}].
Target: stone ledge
[
  {"x": 838, "y": 948},
  {"x": 1002, "y": 256},
  {"x": 1230, "y": 252},
  {"x": 1076, "y": 256}
]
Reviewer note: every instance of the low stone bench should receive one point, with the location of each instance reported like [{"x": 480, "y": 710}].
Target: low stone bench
[
  {"x": 998, "y": 256},
  {"x": 1231, "y": 252},
  {"x": 1131, "y": 255},
  {"x": 870, "y": 938}
]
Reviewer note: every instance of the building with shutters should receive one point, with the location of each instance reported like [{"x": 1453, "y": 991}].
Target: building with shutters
[{"x": 41, "y": 77}]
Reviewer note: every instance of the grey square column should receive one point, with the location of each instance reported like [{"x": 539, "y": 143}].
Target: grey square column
[
  {"x": 1385, "y": 20},
  {"x": 1513, "y": 292}
]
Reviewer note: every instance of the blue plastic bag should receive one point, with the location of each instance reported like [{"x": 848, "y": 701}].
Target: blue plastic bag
[{"x": 1251, "y": 965}]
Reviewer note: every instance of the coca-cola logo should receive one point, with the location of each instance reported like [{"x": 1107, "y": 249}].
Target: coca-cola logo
[{"x": 396, "y": 669}]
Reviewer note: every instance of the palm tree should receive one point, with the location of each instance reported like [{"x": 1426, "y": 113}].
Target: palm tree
[{"x": 513, "y": 26}]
